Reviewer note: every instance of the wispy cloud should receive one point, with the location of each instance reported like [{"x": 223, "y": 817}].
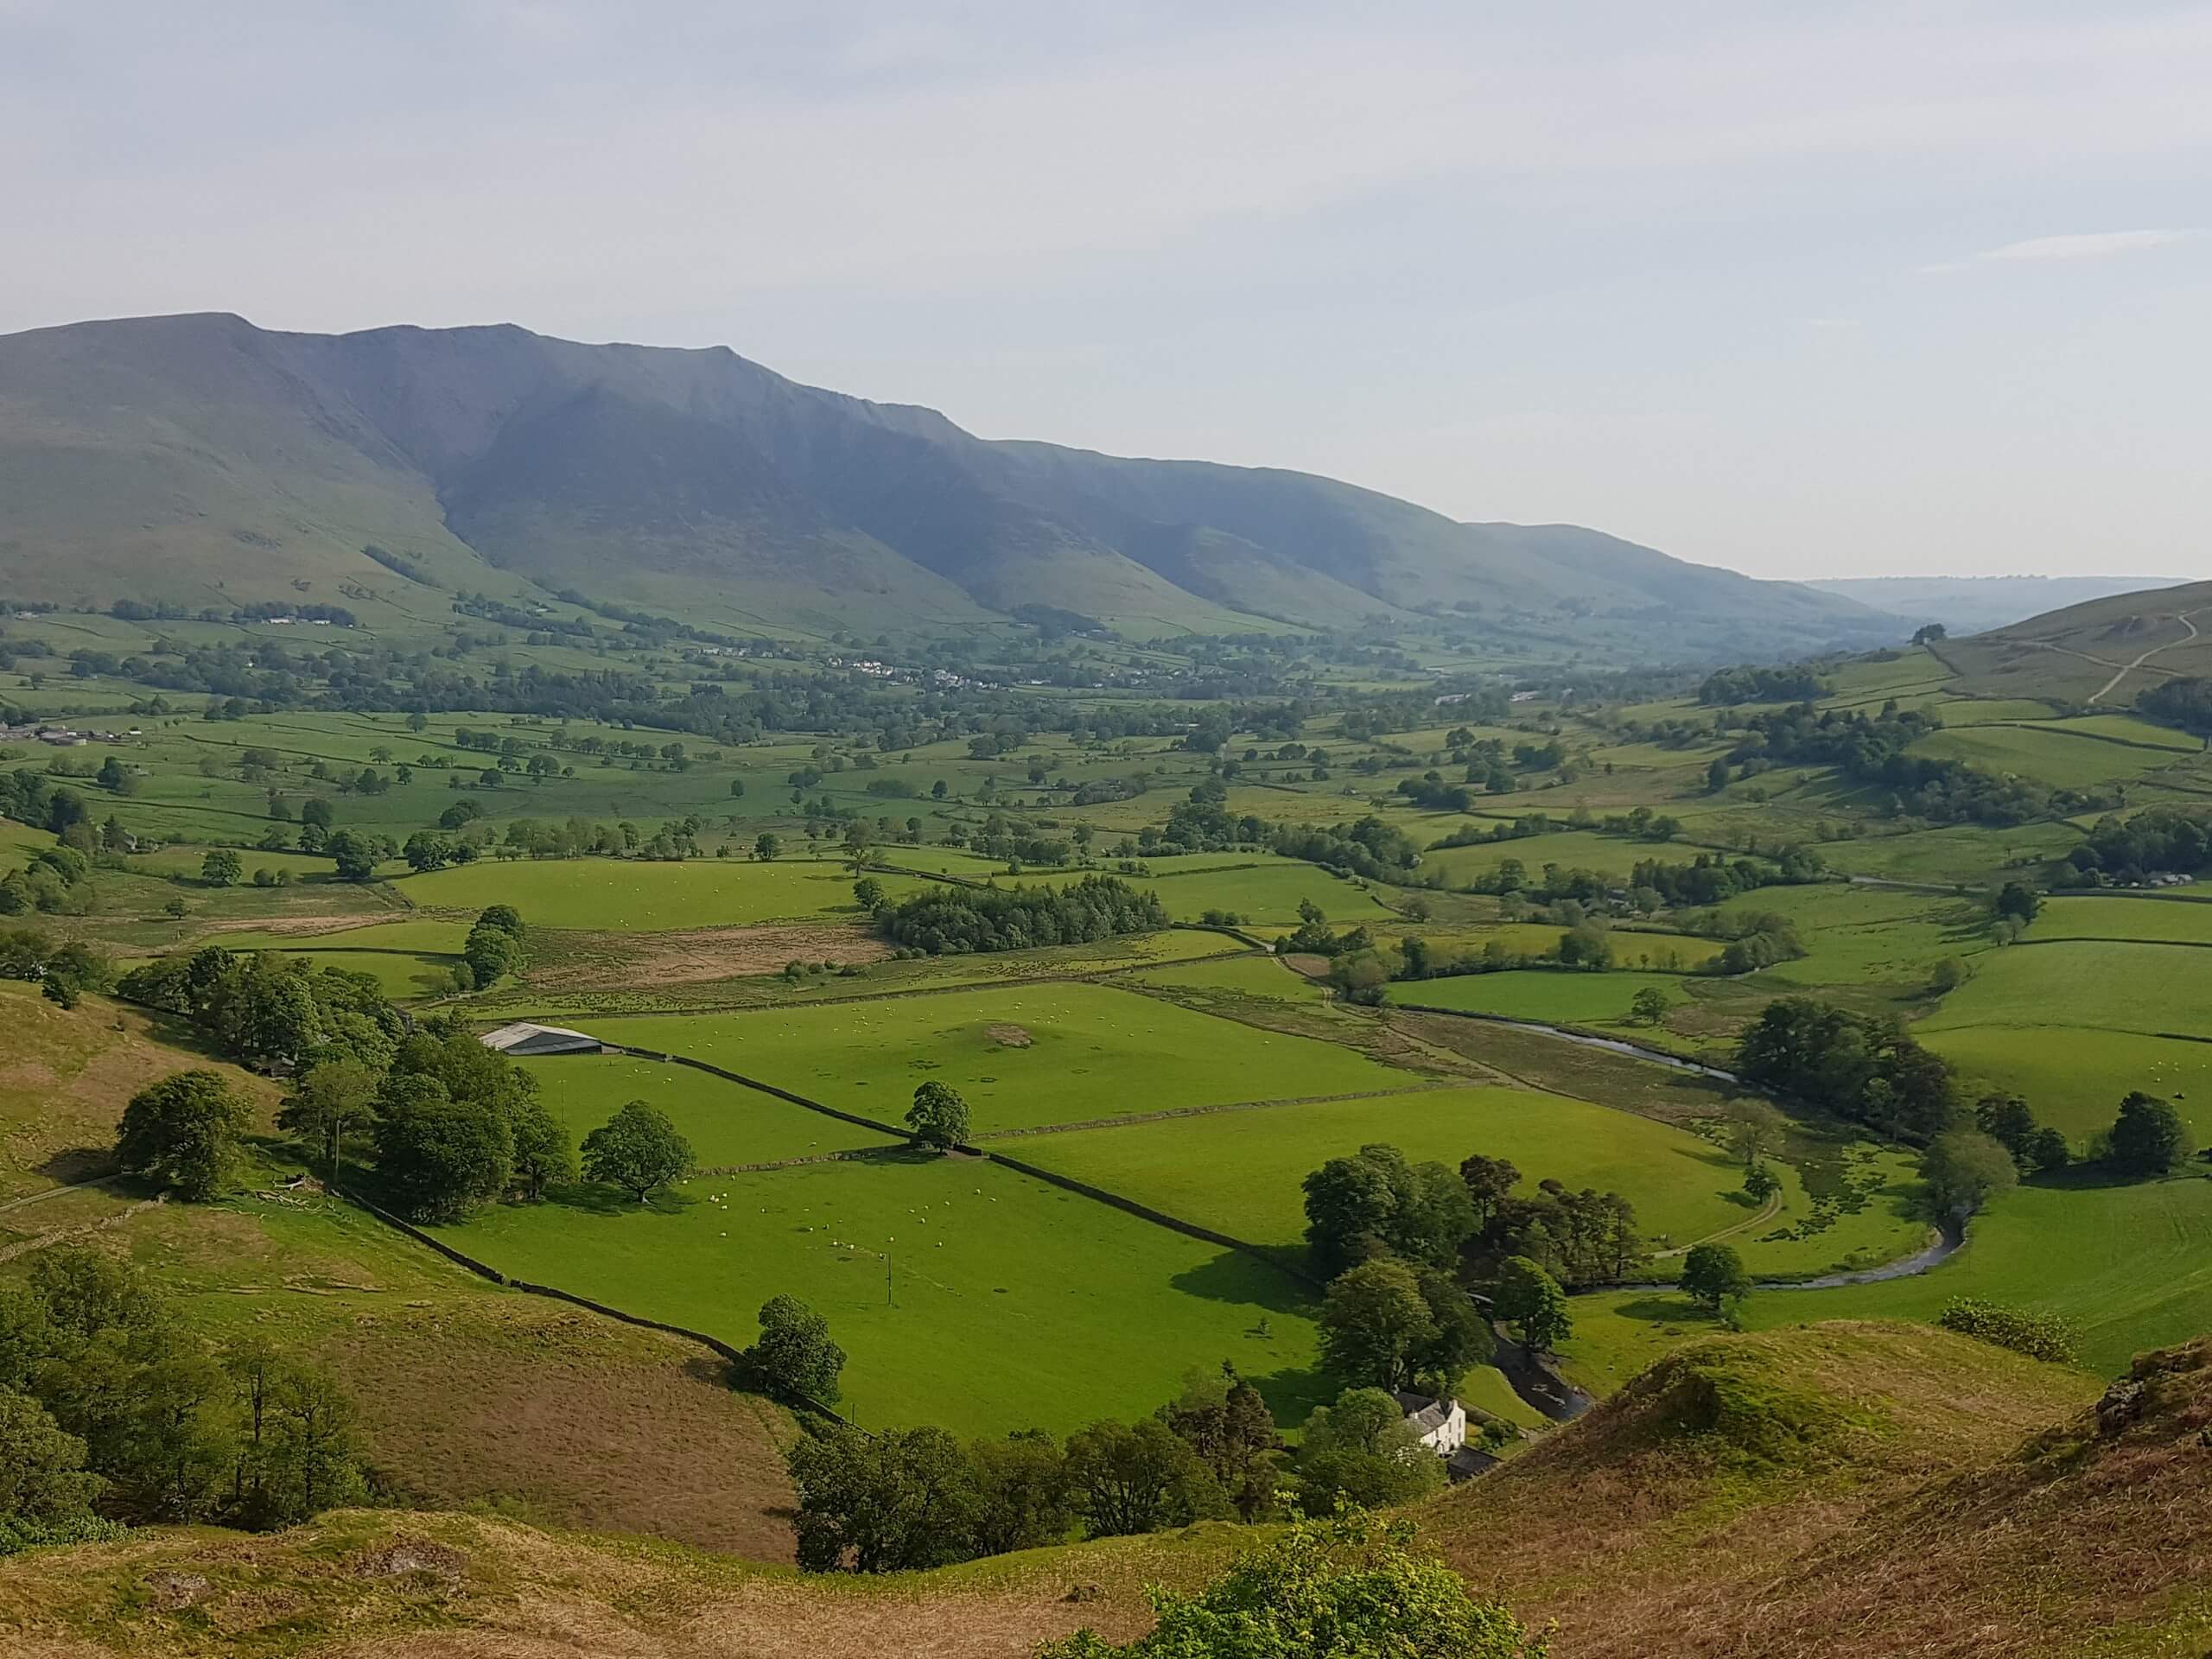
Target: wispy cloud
[{"x": 2094, "y": 244}]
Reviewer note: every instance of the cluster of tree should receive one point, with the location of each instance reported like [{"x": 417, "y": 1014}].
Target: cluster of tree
[
  {"x": 1860, "y": 1067},
  {"x": 1710, "y": 879},
  {"x": 1756, "y": 939},
  {"x": 1873, "y": 750},
  {"x": 1375, "y": 1204},
  {"x": 1314, "y": 937},
  {"x": 2148, "y": 1136},
  {"x": 52, "y": 881},
  {"x": 912, "y": 1499},
  {"x": 1369, "y": 846},
  {"x": 31, "y": 797},
  {"x": 62, "y": 969},
  {"x": 907, "y": 1499},
  {"x": 109, "y": 1407},
  {"x": 2007, "y": 1119},
  {"x": 2125, "y": 851},
  {"x": 1791, "y": 683},
  {"x": 951, "y": 920},
  {"x": 2186, "y": 702},
  {"x": 1393, "y": 1324},
  {"x": 1430, "y": 791},
  {"x": 1580, "y": 1238},
  {"x": 268, "y": 1009}
]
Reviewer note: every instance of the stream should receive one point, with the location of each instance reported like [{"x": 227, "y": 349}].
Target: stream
[
  {"x": 1619, "y": 1046},
  {"x": 1537, "y": 1381}
]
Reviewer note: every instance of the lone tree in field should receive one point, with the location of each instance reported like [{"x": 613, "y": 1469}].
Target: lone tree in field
[
  {"x": 489, "y": 951},
  {"x": 1964, "y": 1170},
  {"x": 637, "y": 1148},
  {"x": 221, "y": 867},
  {"x": 1530, "y": 1300},
  {"x": 1649, "y": 1006},
  {"x": 938, "y": 1114},
  {"x": 505, "y": 918},
  {"x": 182, "y": 1134},
  {"x": 2149, "y": 1137},
  {"x": 795, "y": 1356},
  {"x": 1713, "y": 1274}
]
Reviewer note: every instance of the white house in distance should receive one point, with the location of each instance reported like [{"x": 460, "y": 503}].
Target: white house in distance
[
  {"x": 523, "y": 1039},
  {"x": 1441, "y": 1424}
]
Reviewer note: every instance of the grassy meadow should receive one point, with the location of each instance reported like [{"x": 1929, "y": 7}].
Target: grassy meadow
[{"x": 1085, "y": 1311}]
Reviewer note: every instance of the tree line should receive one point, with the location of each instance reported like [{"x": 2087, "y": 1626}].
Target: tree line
[{"x": 946, "y": 919}]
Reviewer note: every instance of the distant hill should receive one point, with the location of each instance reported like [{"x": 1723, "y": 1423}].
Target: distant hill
[
  {"x": 201, "y": 459},
  {"x": 1975, "y": 604},
  {"x": 2105, "y": 654}
]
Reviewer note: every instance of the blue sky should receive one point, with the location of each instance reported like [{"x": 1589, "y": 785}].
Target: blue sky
[{"x": 1804, "y": 289}]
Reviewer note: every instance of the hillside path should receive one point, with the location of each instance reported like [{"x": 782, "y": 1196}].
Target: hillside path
[{"x": 2106, "y": 689}]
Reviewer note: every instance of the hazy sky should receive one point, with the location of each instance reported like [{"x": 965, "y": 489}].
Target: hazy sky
[{"x": 1805, "y": 289}]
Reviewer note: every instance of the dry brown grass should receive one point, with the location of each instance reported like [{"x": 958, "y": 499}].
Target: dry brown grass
[
  {"x": 613, "y": 961},
  {"x": 1918, "y": 1527},
  {"x": 488, "y": 1589},
  {"x": 571, "y": 1419}
]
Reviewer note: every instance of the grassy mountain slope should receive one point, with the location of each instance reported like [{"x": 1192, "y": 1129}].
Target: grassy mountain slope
[
  {"x": 1978, "y": 604},
  {"x": 1837, "y": 1489},
  {"x": 200, "y": 459},
  {"x": 567, "y": 1417},
  {"x": 2107, "y": 651}
]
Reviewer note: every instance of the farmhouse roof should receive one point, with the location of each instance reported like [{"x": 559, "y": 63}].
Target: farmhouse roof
[
  {"x": 525, "y": 1037},
  {"x": 1424, "y": 1415}
]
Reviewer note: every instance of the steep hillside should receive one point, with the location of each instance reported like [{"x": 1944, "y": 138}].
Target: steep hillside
[
  {"x": 200, "y": 459},
  {"x": 2106, "y": 653},
  {"x": 1838, "y": 1491},
  {"x": 1977, "y": 604}
]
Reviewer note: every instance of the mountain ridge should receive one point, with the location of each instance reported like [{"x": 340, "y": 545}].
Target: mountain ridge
[{"x": 201, "y": 452}]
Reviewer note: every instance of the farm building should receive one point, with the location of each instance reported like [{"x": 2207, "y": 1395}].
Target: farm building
[
  {"x": 523, "y": 1039},
  {"x": 1441, "y": 1424}
]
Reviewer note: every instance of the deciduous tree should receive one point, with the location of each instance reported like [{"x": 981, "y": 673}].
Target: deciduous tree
[{"x": 182, "y": 1134}]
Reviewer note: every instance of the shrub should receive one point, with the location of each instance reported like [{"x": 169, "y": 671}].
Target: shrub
[{"x": 2039, "y": 1336}]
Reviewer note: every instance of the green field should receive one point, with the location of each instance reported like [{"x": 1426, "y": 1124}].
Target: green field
[
  {"x": 1683, "y": 1187},
  {"x": 2088, "y": 917},
  {"x": 1022, "y": 1056},
  {"x": 2074, "y": 1079},
  {"x": 2154, "y": 989},
  {"x": 1861, "y": 936},
  {"x": 2049, "y": 754},
  {"x": 1539, "y": 994},
  {"x": 2131, "y": 1265},
  {"x": 1011, "y": 1303},
  {"x": 726, "y": 1123},
  {"x": 632, "y": 895},
  {"x": 1249, "y": 975},
  {"x": 1960, "y": 855}
]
